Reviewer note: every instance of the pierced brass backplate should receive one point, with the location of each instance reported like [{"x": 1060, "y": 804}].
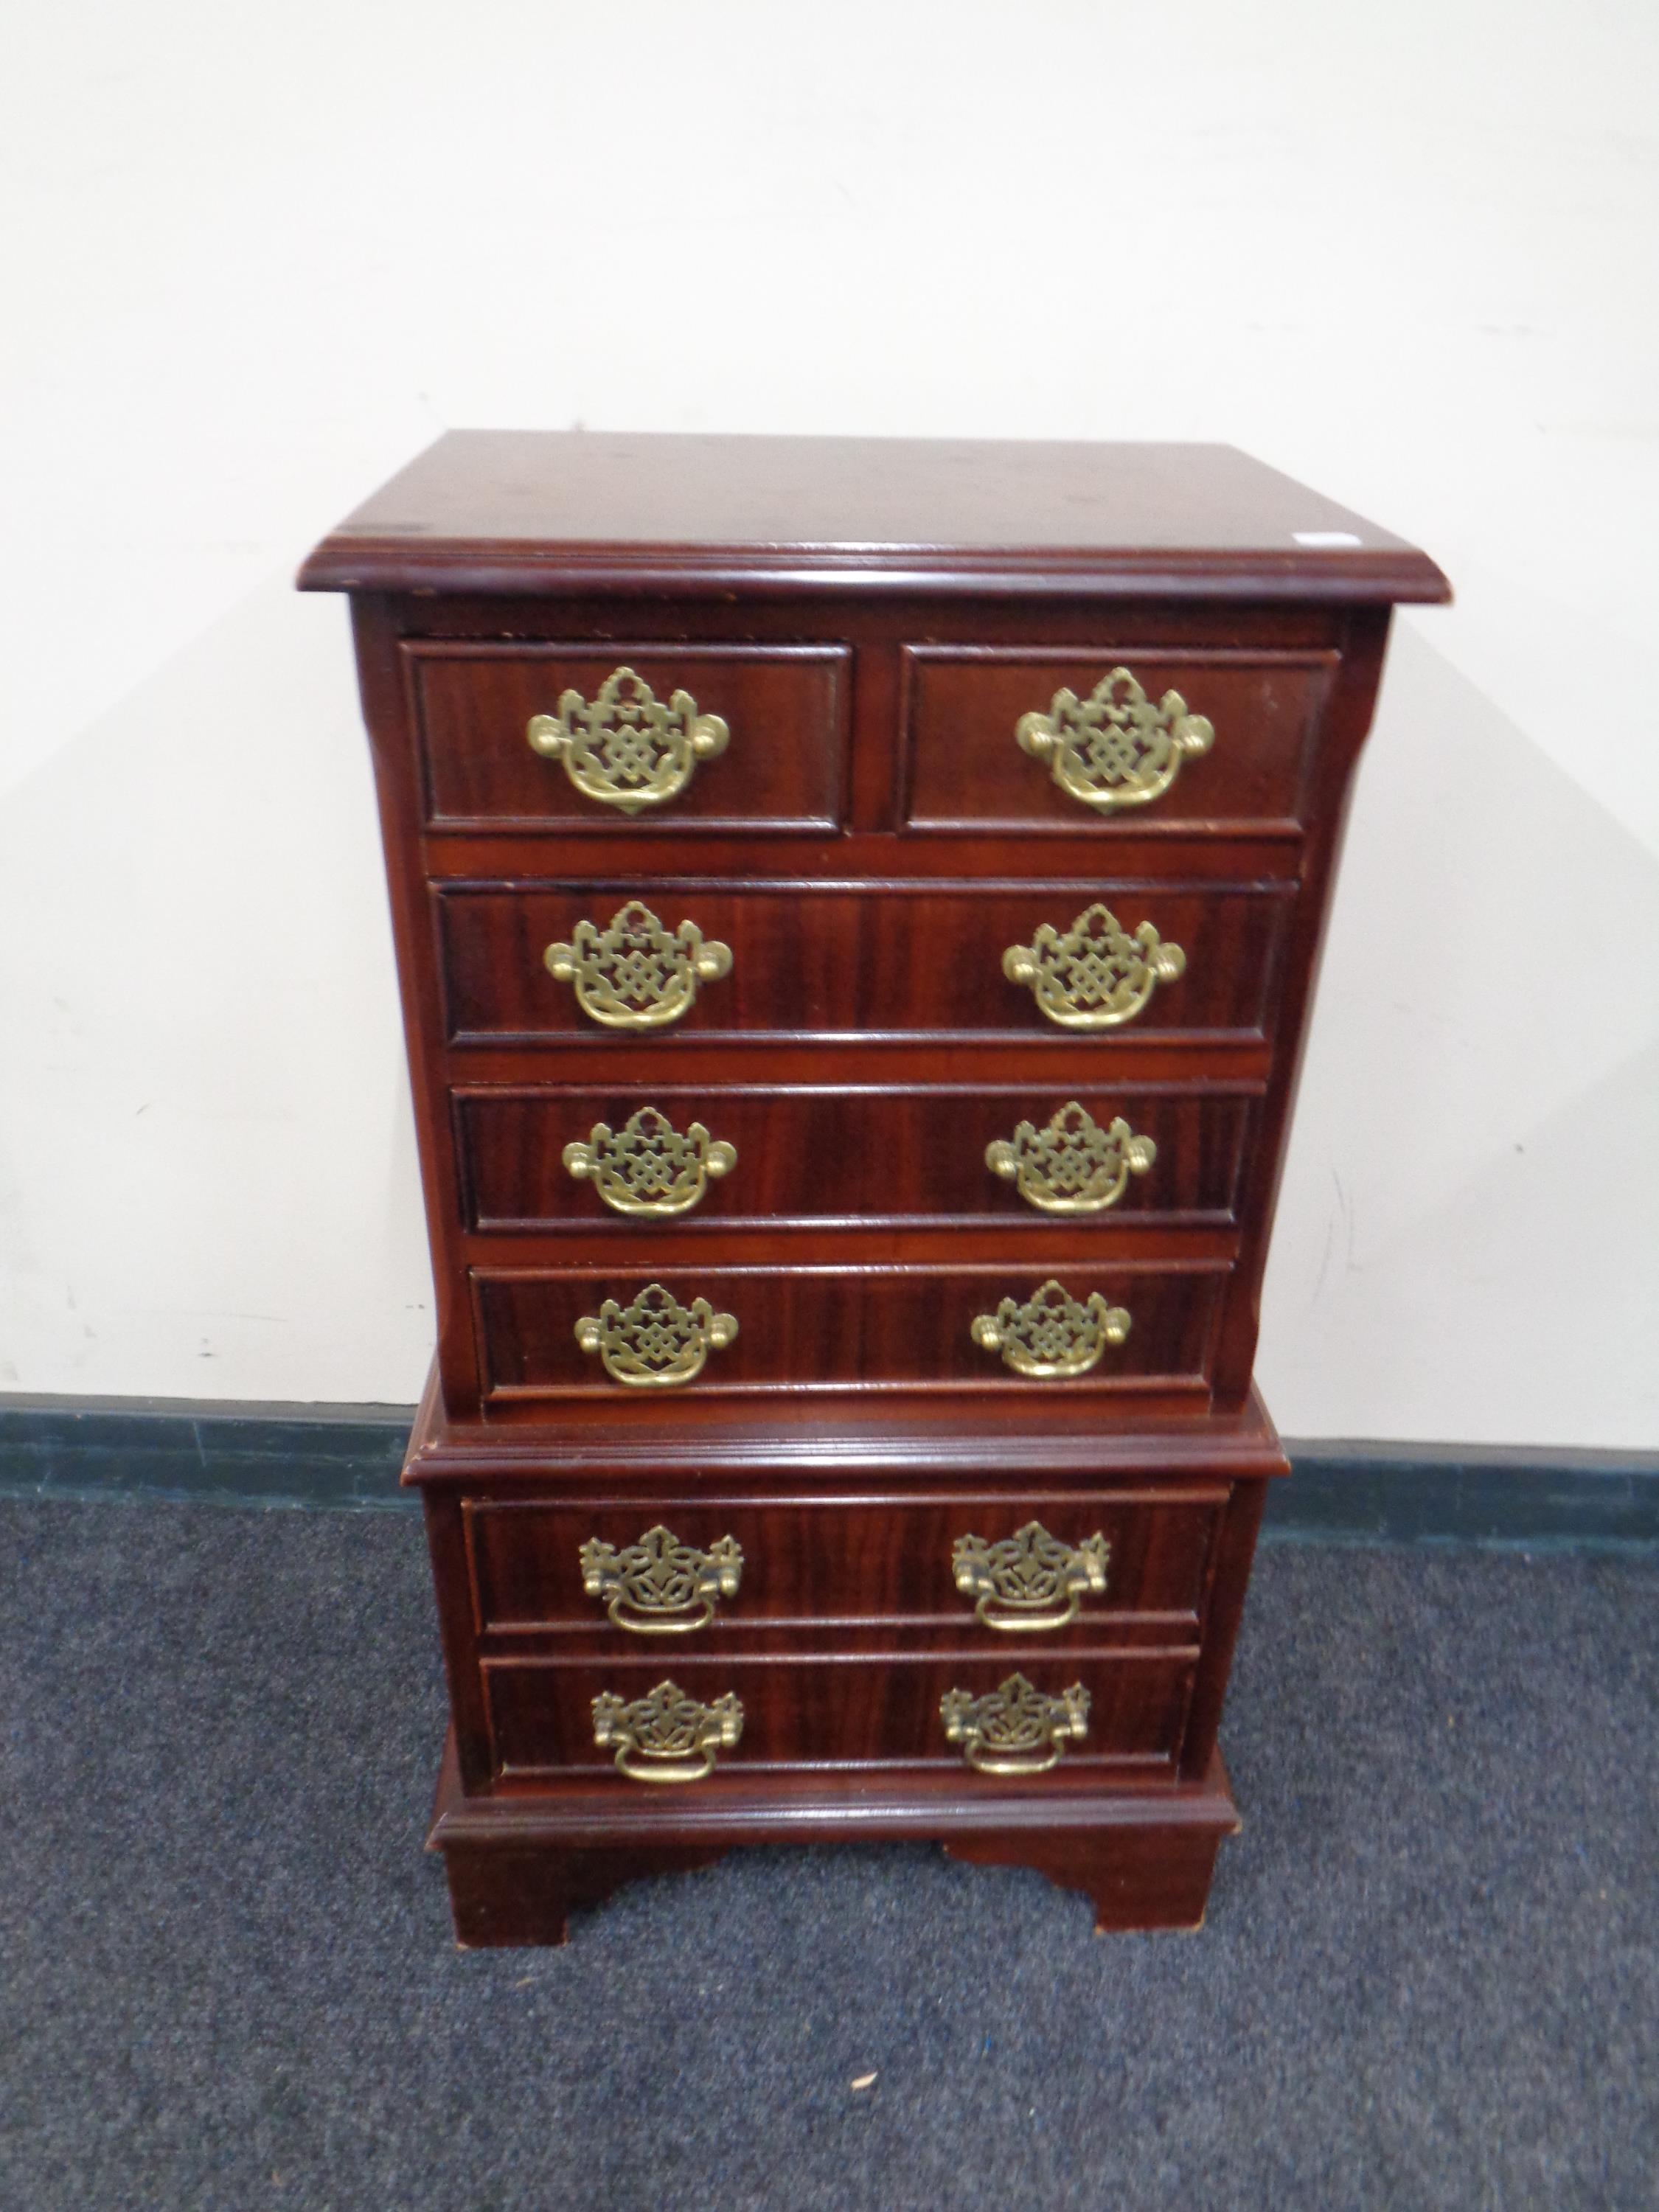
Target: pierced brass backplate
[
  {"x": 1030, "y": 1581},
  {"x": 1114, "y": 748},
  {"x": 1015, "y": 1729},
  {"x": 666, "y": 1736},
  {"x": 627, "y": 750},
  {"x": 1051, "y": 1334},
  {"x": 648, "y": 1167},
  {"x": 660, "y": 1587},
  {"x": 1073, "y": 1166},
  {"x": 655, "y": 1342},
  {"x": 1093, "y": 976},
  {"x": 633, "y": 974}
]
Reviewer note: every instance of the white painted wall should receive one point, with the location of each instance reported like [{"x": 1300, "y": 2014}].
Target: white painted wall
[{"x": 254, "y": 258}]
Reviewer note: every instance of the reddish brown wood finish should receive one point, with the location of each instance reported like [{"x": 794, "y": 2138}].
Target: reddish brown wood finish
[
  {"x": 853, "y": 1156},
  {"x": 870, "y": 1328},
  {"x": 830, "y": 1564},
  {"x": 874, "y": 850},
  {"x": 1139, "y": 1878},
  {"x": 784, "y": 767},
  {"x": 541, "y": 512},
  {"x": 832, "y": 1569},
  {"x": 519, "y": 1865},
  {"x": 859, "y": 964},
  {"x": 885, "y": 1448},
  {"x": 522, "y": 1894},
  {"x": 867, "y": 1712},
  {"x": 872, "y": 620},
  {"x": 963, "y": 703}
]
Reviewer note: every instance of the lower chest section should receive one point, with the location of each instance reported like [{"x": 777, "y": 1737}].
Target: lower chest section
[{"x": 1056, "y": 1632}]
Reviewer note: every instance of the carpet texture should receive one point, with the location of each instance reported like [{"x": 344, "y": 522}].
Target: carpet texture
[{"x": 1430, "y": 1975}]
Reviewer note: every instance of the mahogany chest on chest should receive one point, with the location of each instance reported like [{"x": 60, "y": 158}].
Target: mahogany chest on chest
[{"x": 857, "y": 905}]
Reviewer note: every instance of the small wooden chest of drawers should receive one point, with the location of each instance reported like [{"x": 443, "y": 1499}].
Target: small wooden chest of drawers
[{"x": 857, "y": 905}]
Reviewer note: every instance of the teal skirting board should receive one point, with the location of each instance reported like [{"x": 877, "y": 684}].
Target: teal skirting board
[{"x": 347, "y": 1457}]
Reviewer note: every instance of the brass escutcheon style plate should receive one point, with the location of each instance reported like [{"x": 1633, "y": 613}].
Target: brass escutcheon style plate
[
  {"x": 1073, "y": 1165},
  {"x": 1094, "y": 976},
  {"x": 667, "y": 1736},
  {"x": 1051, "y": 1334},
  {"x": 1030, "y": 1581},
  {"x": 1114, "y": 748},
  {"x": 627, "y": 750},
  {"x": 1014, "y": 1728},
  {"x": 647, "y": 1167},
  {"x": 660, "y": 1586},
  {"x": 634, "y": 975},
  {"x": 655, "y": 1342}
]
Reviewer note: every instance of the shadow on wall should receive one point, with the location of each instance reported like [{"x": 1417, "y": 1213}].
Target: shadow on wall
[
  {"x": 1466, "y": 1240},
  {"x": 207, "y": 1176}
]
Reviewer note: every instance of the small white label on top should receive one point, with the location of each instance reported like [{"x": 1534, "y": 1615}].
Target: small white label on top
[{"x": 1326, "y": 537}]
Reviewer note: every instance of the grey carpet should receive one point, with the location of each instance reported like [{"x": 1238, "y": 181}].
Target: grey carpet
[{"x": 1428, "y": 1979}]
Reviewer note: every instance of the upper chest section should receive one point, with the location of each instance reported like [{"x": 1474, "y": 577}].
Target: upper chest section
[
  {"x": 959, "y": 656},
  {"x": 862, "y": 735}
]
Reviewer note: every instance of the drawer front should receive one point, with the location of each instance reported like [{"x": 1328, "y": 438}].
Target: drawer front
[
  {"x": 1022, "y": 739},
  {"x": 569, "y": 1159},
  {"x": 780, "y": 764},
  {"x": 586, "y": 1333},
  {"x": 687, "y": 1572},
  {"x": 816, "y": 1711},
  {"x": 804, "y": 962}
]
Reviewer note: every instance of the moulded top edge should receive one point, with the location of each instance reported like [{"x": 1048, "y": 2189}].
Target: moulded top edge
[
  {"x": 567, "y": 512},
  {"x": 563, "y": 512},
  {"x": 452, "y": 567}
]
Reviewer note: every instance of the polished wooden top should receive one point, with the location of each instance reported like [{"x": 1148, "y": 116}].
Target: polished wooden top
[{"x": 540, "y": 511}]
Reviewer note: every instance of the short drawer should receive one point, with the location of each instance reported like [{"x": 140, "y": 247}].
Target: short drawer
[
  {"x": 1103, "y": 964},
  {"x": 818, "y": 1710},
  {"x": 587, "y": 1332},
  {"x": 632, "y": 737},
  {"x": 1027, "y": 739},
  {"x": 682, "y": 1157},
  {"x": 1024, "y": 1573}
]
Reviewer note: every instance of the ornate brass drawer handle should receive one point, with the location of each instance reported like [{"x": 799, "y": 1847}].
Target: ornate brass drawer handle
[
  {"x": 1030, "y": 1581},
  {"x": 655, "y": 1342},
  {"x": 627, "y": 749},
  {"x": 666, "y": 1736},
  {"x": 633, "y": 974},
  {"x": 1015, "y": 1729},
  {"x": 1051, "y": 1334},
  {"x": 1094, "y": 976},
  {"x": 1114, "y": 748},
  {"x": 1073, "y": 1166},
  {"x": 648, "y": 1167},
  {"x": 660, "y": 1587}
]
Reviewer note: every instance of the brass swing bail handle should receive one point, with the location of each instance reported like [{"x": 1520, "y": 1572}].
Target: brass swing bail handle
[
  {"x": 1115, "y": 749},
  {"x": 628, "y": 749},
  {"x": 661, "y": 1586},
  {"x": 668, "y": 1735},
  {"x": 634, "y": 1765},
  {"x": 1029, "y": 1582},
  {"x": 1014, "y": 1728}
]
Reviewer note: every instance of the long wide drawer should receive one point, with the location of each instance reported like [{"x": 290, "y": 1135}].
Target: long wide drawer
[
  {"x": 818, "y": 1711},
  {"x": 1024, "y": 1573},
  {"x": 670, "y": 737},
  {"x": 1103, "y": 964},
  {"x": 565, "y": 1157},
  {"x": 590, "y": 1332}
]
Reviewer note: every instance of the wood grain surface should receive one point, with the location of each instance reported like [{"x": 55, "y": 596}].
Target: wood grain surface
[{"x": 872, "y": 619}]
